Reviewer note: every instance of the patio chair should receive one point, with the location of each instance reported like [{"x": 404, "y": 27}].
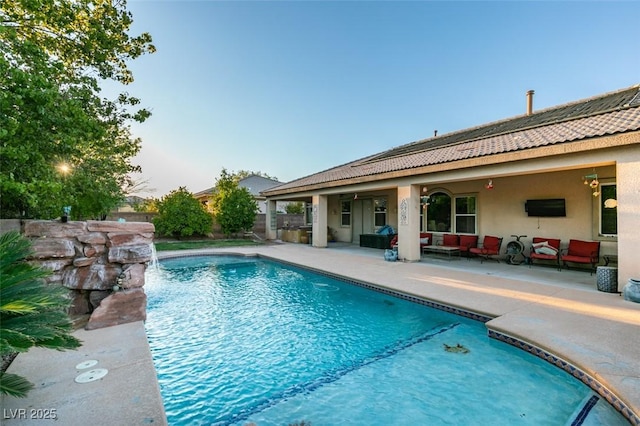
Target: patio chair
[
  {"x": 490, "y": 248},
  {"x": 585, "y": 252},
  {"x": 467, "y": 242},
  {"x": 547, "y": 249}
]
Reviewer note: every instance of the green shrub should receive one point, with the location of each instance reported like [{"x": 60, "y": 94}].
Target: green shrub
[
  {"x": 234, "y": 207},
  {"x": 181, "y": 215},
  {"x": 294, "y": 208}
]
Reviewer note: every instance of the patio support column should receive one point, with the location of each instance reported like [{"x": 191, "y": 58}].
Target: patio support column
[
  {"x": 271, "y": 221},
  {"x": 319, "y": 224},
  {"x": 409, "y": 223},
  {"x": 628, "y": 182}
]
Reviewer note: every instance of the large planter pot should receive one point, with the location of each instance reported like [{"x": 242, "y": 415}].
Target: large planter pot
[{"x": 631, "y": 290}]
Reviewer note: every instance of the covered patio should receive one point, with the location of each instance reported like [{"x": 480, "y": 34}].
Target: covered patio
[
  {"x": 574, "y": 278},
  {"x": 580, "y": 158}
]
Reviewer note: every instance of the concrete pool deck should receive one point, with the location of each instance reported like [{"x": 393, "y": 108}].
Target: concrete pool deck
[{"x": 559, "y": 312}]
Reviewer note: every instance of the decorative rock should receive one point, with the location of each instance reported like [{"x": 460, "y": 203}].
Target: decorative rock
[
  {"x": 55, "y": 265},
  {"x": 87, "y": 258},
  {"x": 54, "y": 279},
  {"x": 96, "y": 297},
  {"x": 89, "y": 251},
  {"x": 123, "y": 227},
  {"x": 47, "y": 228},
  {"x": 631, "y": 290},
  {"x": 79, "y": 303},
  {"x": 94, "y": 251},
  {"x": 53, "y": 247},
  {"x": 130, "y": 254},
  {"x": 94, "y": 277},
  {"x": 83, "y": 261},
  {"x": 119, "y": 308},
  {"x": 93, "y": 238},
  {"x": 117, "y": 239},
  {"x": 134, "y": 276}
]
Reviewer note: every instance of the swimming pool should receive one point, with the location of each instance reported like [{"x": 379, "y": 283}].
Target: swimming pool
[{"x": 238, "y": 340}]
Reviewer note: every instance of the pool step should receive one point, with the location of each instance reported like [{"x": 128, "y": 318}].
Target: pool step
[{"x": 582, "y": 412}]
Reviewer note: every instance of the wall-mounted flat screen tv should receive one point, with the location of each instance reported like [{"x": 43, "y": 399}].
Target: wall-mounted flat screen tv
[{"x": 551, "y": 207}]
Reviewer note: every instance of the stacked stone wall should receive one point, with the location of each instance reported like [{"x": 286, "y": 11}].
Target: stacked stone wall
[{"x": 102, "y": 263}]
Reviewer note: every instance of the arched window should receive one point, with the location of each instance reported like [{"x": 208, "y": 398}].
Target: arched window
[
  {"x": 443, "y": 217},
  {"x": 439, "y": 212}
]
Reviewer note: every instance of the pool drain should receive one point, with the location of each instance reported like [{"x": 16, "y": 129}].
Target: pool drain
[
  {"x": 86, "y": 364},
  {"x": 92, "y": 375}
]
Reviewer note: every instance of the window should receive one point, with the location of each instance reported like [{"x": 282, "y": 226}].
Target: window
[
  {"x": 465, "y": 221},
  {"x": 380, "y": 211},
  {"x": 345, "y": 213},
  {"x": 440, "y": 211},
  {"x": 608, "y": 206}
]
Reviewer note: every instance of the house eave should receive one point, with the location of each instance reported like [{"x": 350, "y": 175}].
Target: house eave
[{"x": 566, "y": 148}]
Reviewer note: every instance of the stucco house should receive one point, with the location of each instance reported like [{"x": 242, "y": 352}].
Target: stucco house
[
  {"x": 584, "y": 155},
  {"x": 255, "y": 184}
]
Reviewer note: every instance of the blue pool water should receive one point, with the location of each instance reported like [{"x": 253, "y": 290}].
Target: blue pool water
[{"x": 242, "y": 340}]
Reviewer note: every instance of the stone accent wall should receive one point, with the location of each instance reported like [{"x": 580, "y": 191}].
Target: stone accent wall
[{"x": 102, "y": 263}]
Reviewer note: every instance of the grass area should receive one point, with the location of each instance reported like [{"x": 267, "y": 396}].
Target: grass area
[{"x": 186, "y": 245}]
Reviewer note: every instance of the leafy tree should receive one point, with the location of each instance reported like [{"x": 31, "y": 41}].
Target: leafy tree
[
  {"x": 294, "y": 208},
  {"x": 234, "y": 208},
  {"x": 53, "y": 56},
  {"x": 32, "y": 313},
  {"x": 181, "y": 215}
]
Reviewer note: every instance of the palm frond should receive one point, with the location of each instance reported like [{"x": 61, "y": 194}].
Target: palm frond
[
  {"x": 14, "y": 385},
  {"x": 32, "y": 313},
  {"x": 14, "y": 341},
  {"x": 14, "y": 248}
]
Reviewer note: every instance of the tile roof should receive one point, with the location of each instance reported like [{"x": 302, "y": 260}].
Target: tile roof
[
  {"x": 606, "y": 114},
  {"x": 254, "y": 183}
]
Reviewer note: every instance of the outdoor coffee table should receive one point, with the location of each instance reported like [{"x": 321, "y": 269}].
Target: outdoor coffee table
[{"x": 449, "y": 251}]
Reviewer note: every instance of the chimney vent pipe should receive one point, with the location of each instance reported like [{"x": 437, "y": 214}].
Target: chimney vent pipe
[{"x": 530, "y": 102}]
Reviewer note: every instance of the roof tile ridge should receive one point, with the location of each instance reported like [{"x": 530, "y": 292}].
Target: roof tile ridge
[
  {"x": 376, "y": 158},
  {"x": 348, "y": 163},
  {"x": 583, "y": 101},
  {"x": 544, "y": 110}
]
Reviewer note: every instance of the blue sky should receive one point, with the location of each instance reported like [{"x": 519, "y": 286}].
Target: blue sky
[{"x": 293, "y": 88}]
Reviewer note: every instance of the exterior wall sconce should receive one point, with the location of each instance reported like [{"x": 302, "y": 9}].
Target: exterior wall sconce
[
  {"x": 355, "y": 196},
  {"x": 489, "y": 185}
]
